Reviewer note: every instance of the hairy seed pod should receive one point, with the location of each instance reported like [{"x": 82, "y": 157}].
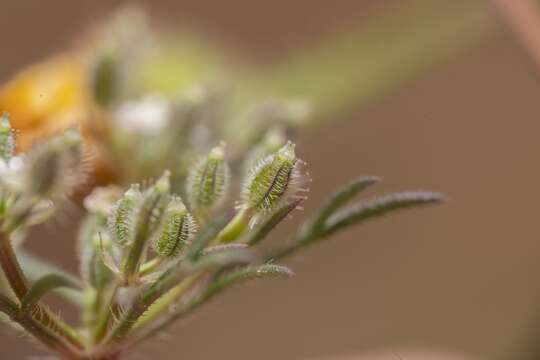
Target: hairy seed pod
[
  {"x": 146, "y": 221},
  {"x": 7, "y": 141},
  {"x": 153, "y": 205},
  {"x": 177, "y": 230},
  {"x": 207, "y": 180},
  {"x": 56, "y": 167},
  {"x": 120, "y": 220},
  {"x": 273, "y": 181}
]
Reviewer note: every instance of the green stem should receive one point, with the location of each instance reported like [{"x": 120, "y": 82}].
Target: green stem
[
  {"x": 104, "y": 317},
  {"x": 40, "y": 332},
  {"x": 234, "y": 228},
  {"x": 149, "y": 266},
  {"x": 12, "y": 270},
  {"x": 163, "y": 304}
]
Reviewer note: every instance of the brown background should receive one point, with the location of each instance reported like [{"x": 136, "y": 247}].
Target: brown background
[{"x": 460, "y": 278}]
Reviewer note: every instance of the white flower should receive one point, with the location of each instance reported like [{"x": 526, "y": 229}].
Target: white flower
[
  {"x": 11, "y": 172},
  {"x": 149, "y": 115}
]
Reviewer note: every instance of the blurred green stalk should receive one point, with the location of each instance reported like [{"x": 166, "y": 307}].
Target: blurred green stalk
[{"x": 347, "y": 69}]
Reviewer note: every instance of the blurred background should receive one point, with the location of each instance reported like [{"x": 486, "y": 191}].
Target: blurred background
[{"x": 436, "y": 96}]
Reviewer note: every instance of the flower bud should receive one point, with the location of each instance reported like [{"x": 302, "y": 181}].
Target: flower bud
[
  {"x": 7, "y": 141},
  {"x": 208, "y": 180},
  {"x": 273, "y": 181},
  {"x": 120, "y": 220},
  {"x": 177, "y": 230}
]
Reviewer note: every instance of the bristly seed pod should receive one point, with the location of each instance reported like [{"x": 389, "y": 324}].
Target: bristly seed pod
[
  {"x": 273, "y": 181},
  {"x": 152, "y": 206},
  {"x": 56, "y": 167},
  {"x": 208, "y": 180},
  {"x": 177, "y": 230},
  {"x": 120, "y": 221},
  {"x": 146, "y": 221},
  {"x": 7, "y": 141}
]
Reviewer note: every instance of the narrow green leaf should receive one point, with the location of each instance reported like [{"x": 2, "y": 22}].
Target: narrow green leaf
[
  {"x": 44, "y": 285},
  {"x": 222, "y": 247},
  {"x": 260, "y": 232},
  {"x": 35, "y": 267},
  {"x": 224, "y": 257},
  {"x": 246, "y": 273},
  {"x": 380, "y": 206},
  {"x": 171, "y": 278},
  {"x": 220, "y": 284},
  {"x": 340, "y": 198},
  {"x": 355, "y": 214}
]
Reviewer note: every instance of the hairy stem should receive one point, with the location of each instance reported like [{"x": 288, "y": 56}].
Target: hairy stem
[
  {"x": 163, "y": 304},
  {"x": 38, "y": 330},
  {"x": 19, "y": 285}
]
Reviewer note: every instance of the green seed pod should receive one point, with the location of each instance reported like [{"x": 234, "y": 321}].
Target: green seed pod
[
  {"x": 177, "y": 230},
  {"x": 120, "y": 220},
  {"x": 7, "y": 141},
  {"x": 153, "y": 205},
  {"x": 146, "y": 221},
  {"x": 273, "y": 181},
  {"x": 208, "y": 180},
  {"x": 56, "y": 167}
]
